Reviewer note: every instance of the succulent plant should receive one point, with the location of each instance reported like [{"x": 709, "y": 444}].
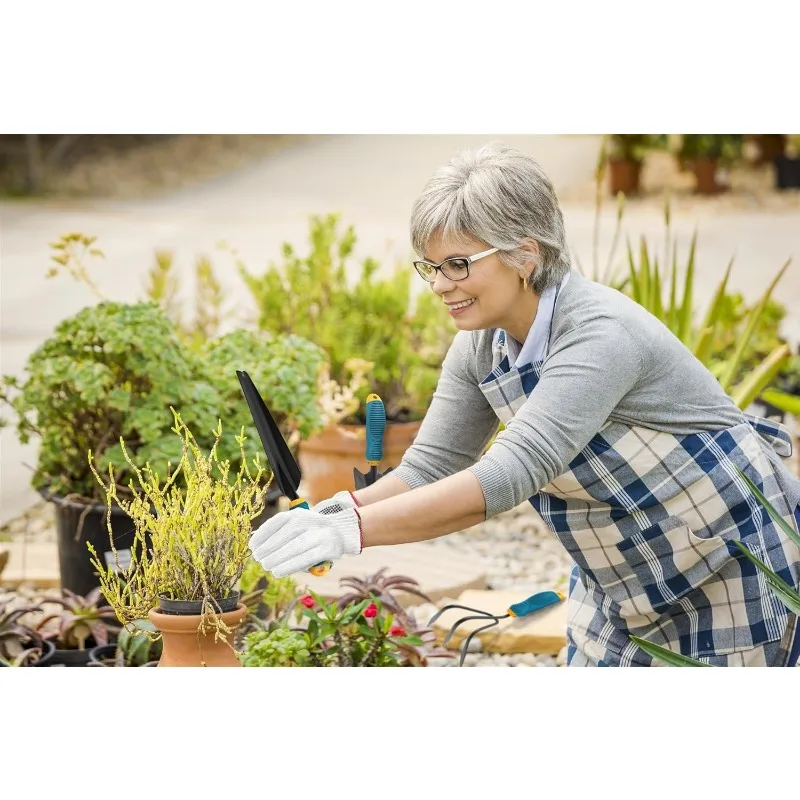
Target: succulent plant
[
  {"x": 20, "y": 644},
  {"x": 382, "y": 586},
  {"x": 82, "y": 618}
]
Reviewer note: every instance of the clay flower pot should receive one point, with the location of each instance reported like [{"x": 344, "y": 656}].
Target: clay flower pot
[
  {"x": 623, "y": 176},
  {"x": 186, "y": 646}
]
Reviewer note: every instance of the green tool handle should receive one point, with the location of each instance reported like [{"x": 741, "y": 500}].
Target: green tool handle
[{"x": 323, "y": 567}]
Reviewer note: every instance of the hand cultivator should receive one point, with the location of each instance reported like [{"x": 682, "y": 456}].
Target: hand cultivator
[{"x": 536, "y": 602}]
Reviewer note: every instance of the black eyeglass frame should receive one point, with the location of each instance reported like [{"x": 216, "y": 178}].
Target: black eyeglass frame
[{"x": 468, "y": 260}]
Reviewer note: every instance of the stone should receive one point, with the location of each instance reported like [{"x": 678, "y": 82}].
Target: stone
[
  {"x": 543, "y": 632},
  {"x": 33, "y": 563}
]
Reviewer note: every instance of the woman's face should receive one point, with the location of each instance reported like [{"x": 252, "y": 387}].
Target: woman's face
[{"x": 494, "y": 294}]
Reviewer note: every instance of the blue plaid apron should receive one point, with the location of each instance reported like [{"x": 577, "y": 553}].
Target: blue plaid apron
[{"x": 649, "y": 519}]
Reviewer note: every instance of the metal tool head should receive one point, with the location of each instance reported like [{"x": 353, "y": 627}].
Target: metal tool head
[
  {"x": 284, "y": 467},
  {"x": 361, "y": 480}
]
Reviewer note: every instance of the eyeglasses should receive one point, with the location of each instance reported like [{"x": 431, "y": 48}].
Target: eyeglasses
[{"x": 456, "y": 269}]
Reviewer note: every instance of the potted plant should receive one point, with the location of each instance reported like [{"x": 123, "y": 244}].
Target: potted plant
[
  {"x": 81, "y": 624},
  {"x": 21, "y": 645},
  {"x": 705, "y": 153},
  {"x": 199, "y": 529},
  {"x": 377, "y": 339},
  {"x": 787, "y": 164},
  {"x": 624, "y": 155},
  {"x": 136, "y": 646},
  {"x": 113, "y": 371}
]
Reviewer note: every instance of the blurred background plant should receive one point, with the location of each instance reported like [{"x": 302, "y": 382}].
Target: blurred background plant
[{"x": 373, "y": 319}]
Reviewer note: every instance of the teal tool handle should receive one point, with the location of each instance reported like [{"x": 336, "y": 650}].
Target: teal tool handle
[
  {"x": 535, "y": 602},
  {"x": 323, "y": 567},
  {"x": 376, "y": 425}
]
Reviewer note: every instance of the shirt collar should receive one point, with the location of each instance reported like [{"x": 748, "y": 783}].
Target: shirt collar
[{"x": 535, "y": 346}]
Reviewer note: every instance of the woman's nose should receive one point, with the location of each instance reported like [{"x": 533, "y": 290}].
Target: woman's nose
[{"x": 442, "y": 284}]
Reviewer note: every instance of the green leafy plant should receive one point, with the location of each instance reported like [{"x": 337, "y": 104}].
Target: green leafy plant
[
  {"x": 138, "y": 645},
  {"x": 83, "y": 622},
  {"x": 114, "y": 370},
  {"x": 633, "y": 146},
  {"x": 371, "y": 319},
  {"x": 723, "y": 147},
  {"x": 282, "y": 647},
  {"x": 198, "y": 531}
]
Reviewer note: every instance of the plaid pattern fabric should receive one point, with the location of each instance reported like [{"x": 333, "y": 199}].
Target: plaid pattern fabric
[{"x": 650, "y": 519}]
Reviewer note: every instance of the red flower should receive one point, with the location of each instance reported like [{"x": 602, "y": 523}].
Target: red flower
[
  {"x": 308, "y": 601},
  {"x": 397, "y": 630},
  {"x": 371, "y": 611}
]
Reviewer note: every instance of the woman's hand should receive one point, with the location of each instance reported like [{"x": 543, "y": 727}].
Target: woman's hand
[{"x": 295, "y": 540}]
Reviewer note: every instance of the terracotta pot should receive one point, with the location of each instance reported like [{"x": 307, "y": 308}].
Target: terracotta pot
[
  {"x": 185, "y": 647},
  {"x": 327, "y": 460},
  {"x": 705, "y": 171},
  {"x": 623, "y": 176}
]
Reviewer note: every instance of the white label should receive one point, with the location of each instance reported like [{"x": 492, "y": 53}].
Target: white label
[{"x": 124, "y": 557}]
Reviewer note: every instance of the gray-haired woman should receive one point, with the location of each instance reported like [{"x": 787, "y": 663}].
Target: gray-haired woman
[{"x": 622, "y": 441}]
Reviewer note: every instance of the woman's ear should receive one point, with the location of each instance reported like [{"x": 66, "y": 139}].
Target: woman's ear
[{"x": 531, "y": 247}]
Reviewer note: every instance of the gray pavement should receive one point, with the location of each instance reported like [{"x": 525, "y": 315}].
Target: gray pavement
[{"x": 371, "y": 181}]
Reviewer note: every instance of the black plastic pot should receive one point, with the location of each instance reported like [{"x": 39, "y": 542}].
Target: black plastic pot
[
  {"x": 188, "y": 607},
  {"x": 787, "y": 172},
  {"x": 69, "y": 658},
  {"x": 97, "y": 654},
  {"x": 47, "y": 654},
  {"x": 77, "y": 572}
]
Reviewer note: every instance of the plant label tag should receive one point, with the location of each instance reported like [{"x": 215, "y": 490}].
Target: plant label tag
[{"x": 123, "y": 556}]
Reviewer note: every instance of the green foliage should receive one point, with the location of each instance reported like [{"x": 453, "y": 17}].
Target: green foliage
[
  {"x": 113, "y": 371},
  {"x": 198, "y": 532},
  {"x": 725, "y": 147},
  {"x": 110, "y": 371},
  {"x": 633, "y": 146},
  {"x": 285, "y": 368},
  {"x": 137, "y": 643},
  {"x": 372, "y": 319},
  {"x": 282, "y": 647}
]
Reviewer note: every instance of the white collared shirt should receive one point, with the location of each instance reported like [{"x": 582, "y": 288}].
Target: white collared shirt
[{"x": 535, "y": 345}]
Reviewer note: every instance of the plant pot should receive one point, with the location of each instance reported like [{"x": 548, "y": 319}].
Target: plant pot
[
  {"x": 69, "y": 658},
  {"x": 100, "y": 655},
  {"x": 327, "y": 460},
  {"x": 705, "y": 173},
  {"x": 195, "y": 607},
  {"x": 186, "y": 646},
  {"x": 787, "y": 172},
  {"x": 77, "y": 572},
  {"x": 47, "y": 655},
  {"x": 623, "y": 176}
]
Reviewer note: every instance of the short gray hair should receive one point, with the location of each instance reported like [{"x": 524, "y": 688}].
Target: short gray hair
[{"x": 499, "y": 196}]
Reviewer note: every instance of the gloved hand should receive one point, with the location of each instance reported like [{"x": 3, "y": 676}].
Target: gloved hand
[
  {"x": 339, "y": 502},
  {"x": 293, "y": 541}
]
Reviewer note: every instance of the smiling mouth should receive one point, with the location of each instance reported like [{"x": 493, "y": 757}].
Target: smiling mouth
[{"x": 463, "y": 304}]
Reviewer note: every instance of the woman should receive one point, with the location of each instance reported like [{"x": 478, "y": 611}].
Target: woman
[{"x": 620, "y": 438}]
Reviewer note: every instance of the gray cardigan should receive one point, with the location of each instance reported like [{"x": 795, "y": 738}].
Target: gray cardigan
[{"x": 608, "y": 358}]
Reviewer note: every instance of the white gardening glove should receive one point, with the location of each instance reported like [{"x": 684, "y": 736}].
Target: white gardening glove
[
  {"x": 295, "y": 540},
  {"x": 339, "y": 502}
]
